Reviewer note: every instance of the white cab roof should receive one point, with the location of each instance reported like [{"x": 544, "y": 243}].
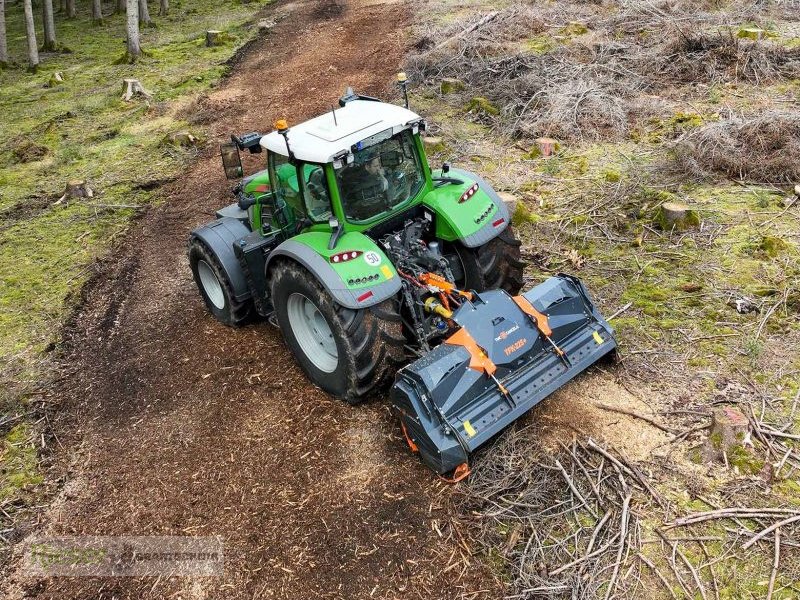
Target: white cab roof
[{"x": 322, "y": 138}]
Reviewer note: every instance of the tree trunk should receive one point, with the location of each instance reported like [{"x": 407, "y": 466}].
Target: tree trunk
[
  {"x": 97, "y": 11},
  {"x": 144, "y": 14},
  {"x": 71, "y": 12},
  {"x": 134, "y": 49},
  {"x": 119, "y": 7},
  {"x": 3, "y": 44},
  {"x": 163, "y": 8},
  {"x": 49, "y": 26},
  {"x": 30, "y": 31}
]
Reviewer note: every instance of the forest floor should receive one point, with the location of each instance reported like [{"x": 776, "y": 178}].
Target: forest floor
[
  {"x": 161, "y": 421},
  {"x": 166, "y": 422}
]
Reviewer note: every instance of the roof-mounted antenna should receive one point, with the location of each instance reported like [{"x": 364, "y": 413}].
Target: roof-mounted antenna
[{"x": 333, "y": 110}]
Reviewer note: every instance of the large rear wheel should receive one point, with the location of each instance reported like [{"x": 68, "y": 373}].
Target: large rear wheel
[
  {"x": 495, "y": 265},
  {"x": 348, "y": 353},
  {"x": 215, "y": 287}
]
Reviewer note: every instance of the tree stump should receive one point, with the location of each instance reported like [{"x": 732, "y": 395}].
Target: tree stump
[
  {"x": 510, "y": 200},
  {"x": 56, "y": 79},
  {"x": 183, "y": 138},
  {"x": 450, "y": 85},
  {"x": 213, "y": 38},
  {"x": 433, "y": 144},
  {"x": 131, "y": 88},
  {"x": 547, "y": 146},
  {"x": 673, "y": 215},
  {"x": 729, "y": 428},
  {"x": 77, "y": 188},
  {"x": 265, "y": 25}
]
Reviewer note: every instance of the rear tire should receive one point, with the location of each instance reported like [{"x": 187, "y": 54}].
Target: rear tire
[
  {"x": 495, "y": 265},
  {"x": 346, "y": 352},
  {"x": 215, "y": 287}
]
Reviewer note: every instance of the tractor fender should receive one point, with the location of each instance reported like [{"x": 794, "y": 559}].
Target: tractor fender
[
  {"x": 489, "y": 230},
  {"x": 219, "y": 236},
  {"x": 310, "y": 250}
]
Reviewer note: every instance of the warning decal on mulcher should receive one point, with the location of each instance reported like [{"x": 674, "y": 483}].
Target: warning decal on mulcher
[
  {"x": 597, "y": 338},
  {"x": 469, "y": 429}
]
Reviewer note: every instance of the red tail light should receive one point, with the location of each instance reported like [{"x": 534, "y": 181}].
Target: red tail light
[
  {"x": 365, "y": 296},
  {"x": 345, "y": 256},
  {"x": 499, "y": 222},
  {"x": 468, "y": 194}
]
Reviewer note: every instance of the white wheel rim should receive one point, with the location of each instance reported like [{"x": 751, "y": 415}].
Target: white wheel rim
[
  {"x": 211, "y": 285},
  {"x": 313, "y": 333}
]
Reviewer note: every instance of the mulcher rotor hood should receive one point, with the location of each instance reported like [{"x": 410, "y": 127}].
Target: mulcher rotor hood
[{"x": 507, "y": 356}]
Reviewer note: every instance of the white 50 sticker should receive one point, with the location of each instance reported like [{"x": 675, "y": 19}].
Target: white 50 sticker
[{"x": 372, "y": 258}]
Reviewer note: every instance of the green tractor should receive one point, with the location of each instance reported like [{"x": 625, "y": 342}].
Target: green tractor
[{"x": 375, "y": 266}]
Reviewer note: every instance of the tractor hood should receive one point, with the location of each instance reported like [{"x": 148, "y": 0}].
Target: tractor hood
[{"x": 471, "y": 212}]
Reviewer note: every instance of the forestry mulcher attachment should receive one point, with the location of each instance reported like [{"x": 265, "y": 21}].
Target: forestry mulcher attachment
[{"x": 375, "y": 266}]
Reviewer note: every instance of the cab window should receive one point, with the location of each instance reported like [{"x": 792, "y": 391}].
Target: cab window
[
  {"x": 283, "y": 175},
  {"x": 315, "y": 193}
]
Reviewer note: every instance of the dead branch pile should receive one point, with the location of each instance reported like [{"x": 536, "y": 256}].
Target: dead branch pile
[
  {"x": 585, "y": 86},
  {"x": 565, "y": 524},
  {"x": 764, "y": 148},
  {"x": 721, "y": 56}
]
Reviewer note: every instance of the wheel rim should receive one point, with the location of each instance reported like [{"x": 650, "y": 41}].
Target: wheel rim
[
  {"x": 313, "y": 333},
  {"x": 211, "y": 285}
]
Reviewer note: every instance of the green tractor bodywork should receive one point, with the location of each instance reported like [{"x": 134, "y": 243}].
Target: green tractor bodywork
[
  {"x": 368, "y": 260},
  {"x": 271, "y": 219}
]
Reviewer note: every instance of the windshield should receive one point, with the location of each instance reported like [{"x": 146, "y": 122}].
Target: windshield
[{"x": 380, "y": 178}]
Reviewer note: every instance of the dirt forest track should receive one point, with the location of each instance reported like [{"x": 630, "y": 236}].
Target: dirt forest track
[{"x": 168, "y": 423}]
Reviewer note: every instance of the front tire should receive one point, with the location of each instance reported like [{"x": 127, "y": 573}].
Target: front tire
[
  {"x": 215, "y": 287},
  {"x": 495, "y": 265},
  {"x": 346, "y": 352}
]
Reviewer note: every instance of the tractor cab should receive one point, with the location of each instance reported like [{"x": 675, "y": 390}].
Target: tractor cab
[{"x": 355, "y": 165}]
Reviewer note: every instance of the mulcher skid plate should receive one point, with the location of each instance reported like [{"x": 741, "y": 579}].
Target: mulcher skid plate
[{"x": 449, "y": 402}]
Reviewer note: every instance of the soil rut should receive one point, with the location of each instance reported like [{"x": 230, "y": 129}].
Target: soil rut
[{"x": 172, "y": 424}]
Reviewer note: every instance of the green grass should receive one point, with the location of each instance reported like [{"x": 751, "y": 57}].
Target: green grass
[{"x": 81, "y": 129}]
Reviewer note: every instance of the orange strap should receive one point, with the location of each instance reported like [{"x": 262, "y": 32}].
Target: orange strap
[
  {"x": 528, "y": 309},
  {"x": 477, "y": 357},
  {"x": 411, "y": 443},
  {"x": 460, "y": 472}
]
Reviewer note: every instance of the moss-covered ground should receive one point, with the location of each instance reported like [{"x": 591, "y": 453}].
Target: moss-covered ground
[{"x": 81, "y": 129}]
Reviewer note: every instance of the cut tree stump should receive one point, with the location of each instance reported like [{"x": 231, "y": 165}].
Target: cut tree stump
[
  {"x": 547, "y": 146},
  {"x": 450, "y": 85},
  {"x": 214, "y": 38},
  {"x": 183, "y": 138},
  {"x": 77, "y": 188},
  {"x": 265, "y": 25},
  {"x": 133, "y": 87},
  {"x": 510, "y": 200},
  {"x": 673, "y": 215},
  {"x": 433, "y": 144},
  {"x": 729, "y": 429},
  {"x": 56, "y": 78}
]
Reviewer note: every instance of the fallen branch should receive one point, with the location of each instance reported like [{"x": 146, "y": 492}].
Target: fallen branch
[
  {"x": 633, "y": 413},
  {"x": 731, "y": 513},
  {"x": 490, "y": 17},
  {"x": 770, "y": 529},
  {"x": 775, "y": 564}
]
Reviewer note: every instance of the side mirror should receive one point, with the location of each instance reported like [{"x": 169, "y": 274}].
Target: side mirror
[
  {"x": 231, "y": 161},
  {"x": 445, "y": 168}
]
